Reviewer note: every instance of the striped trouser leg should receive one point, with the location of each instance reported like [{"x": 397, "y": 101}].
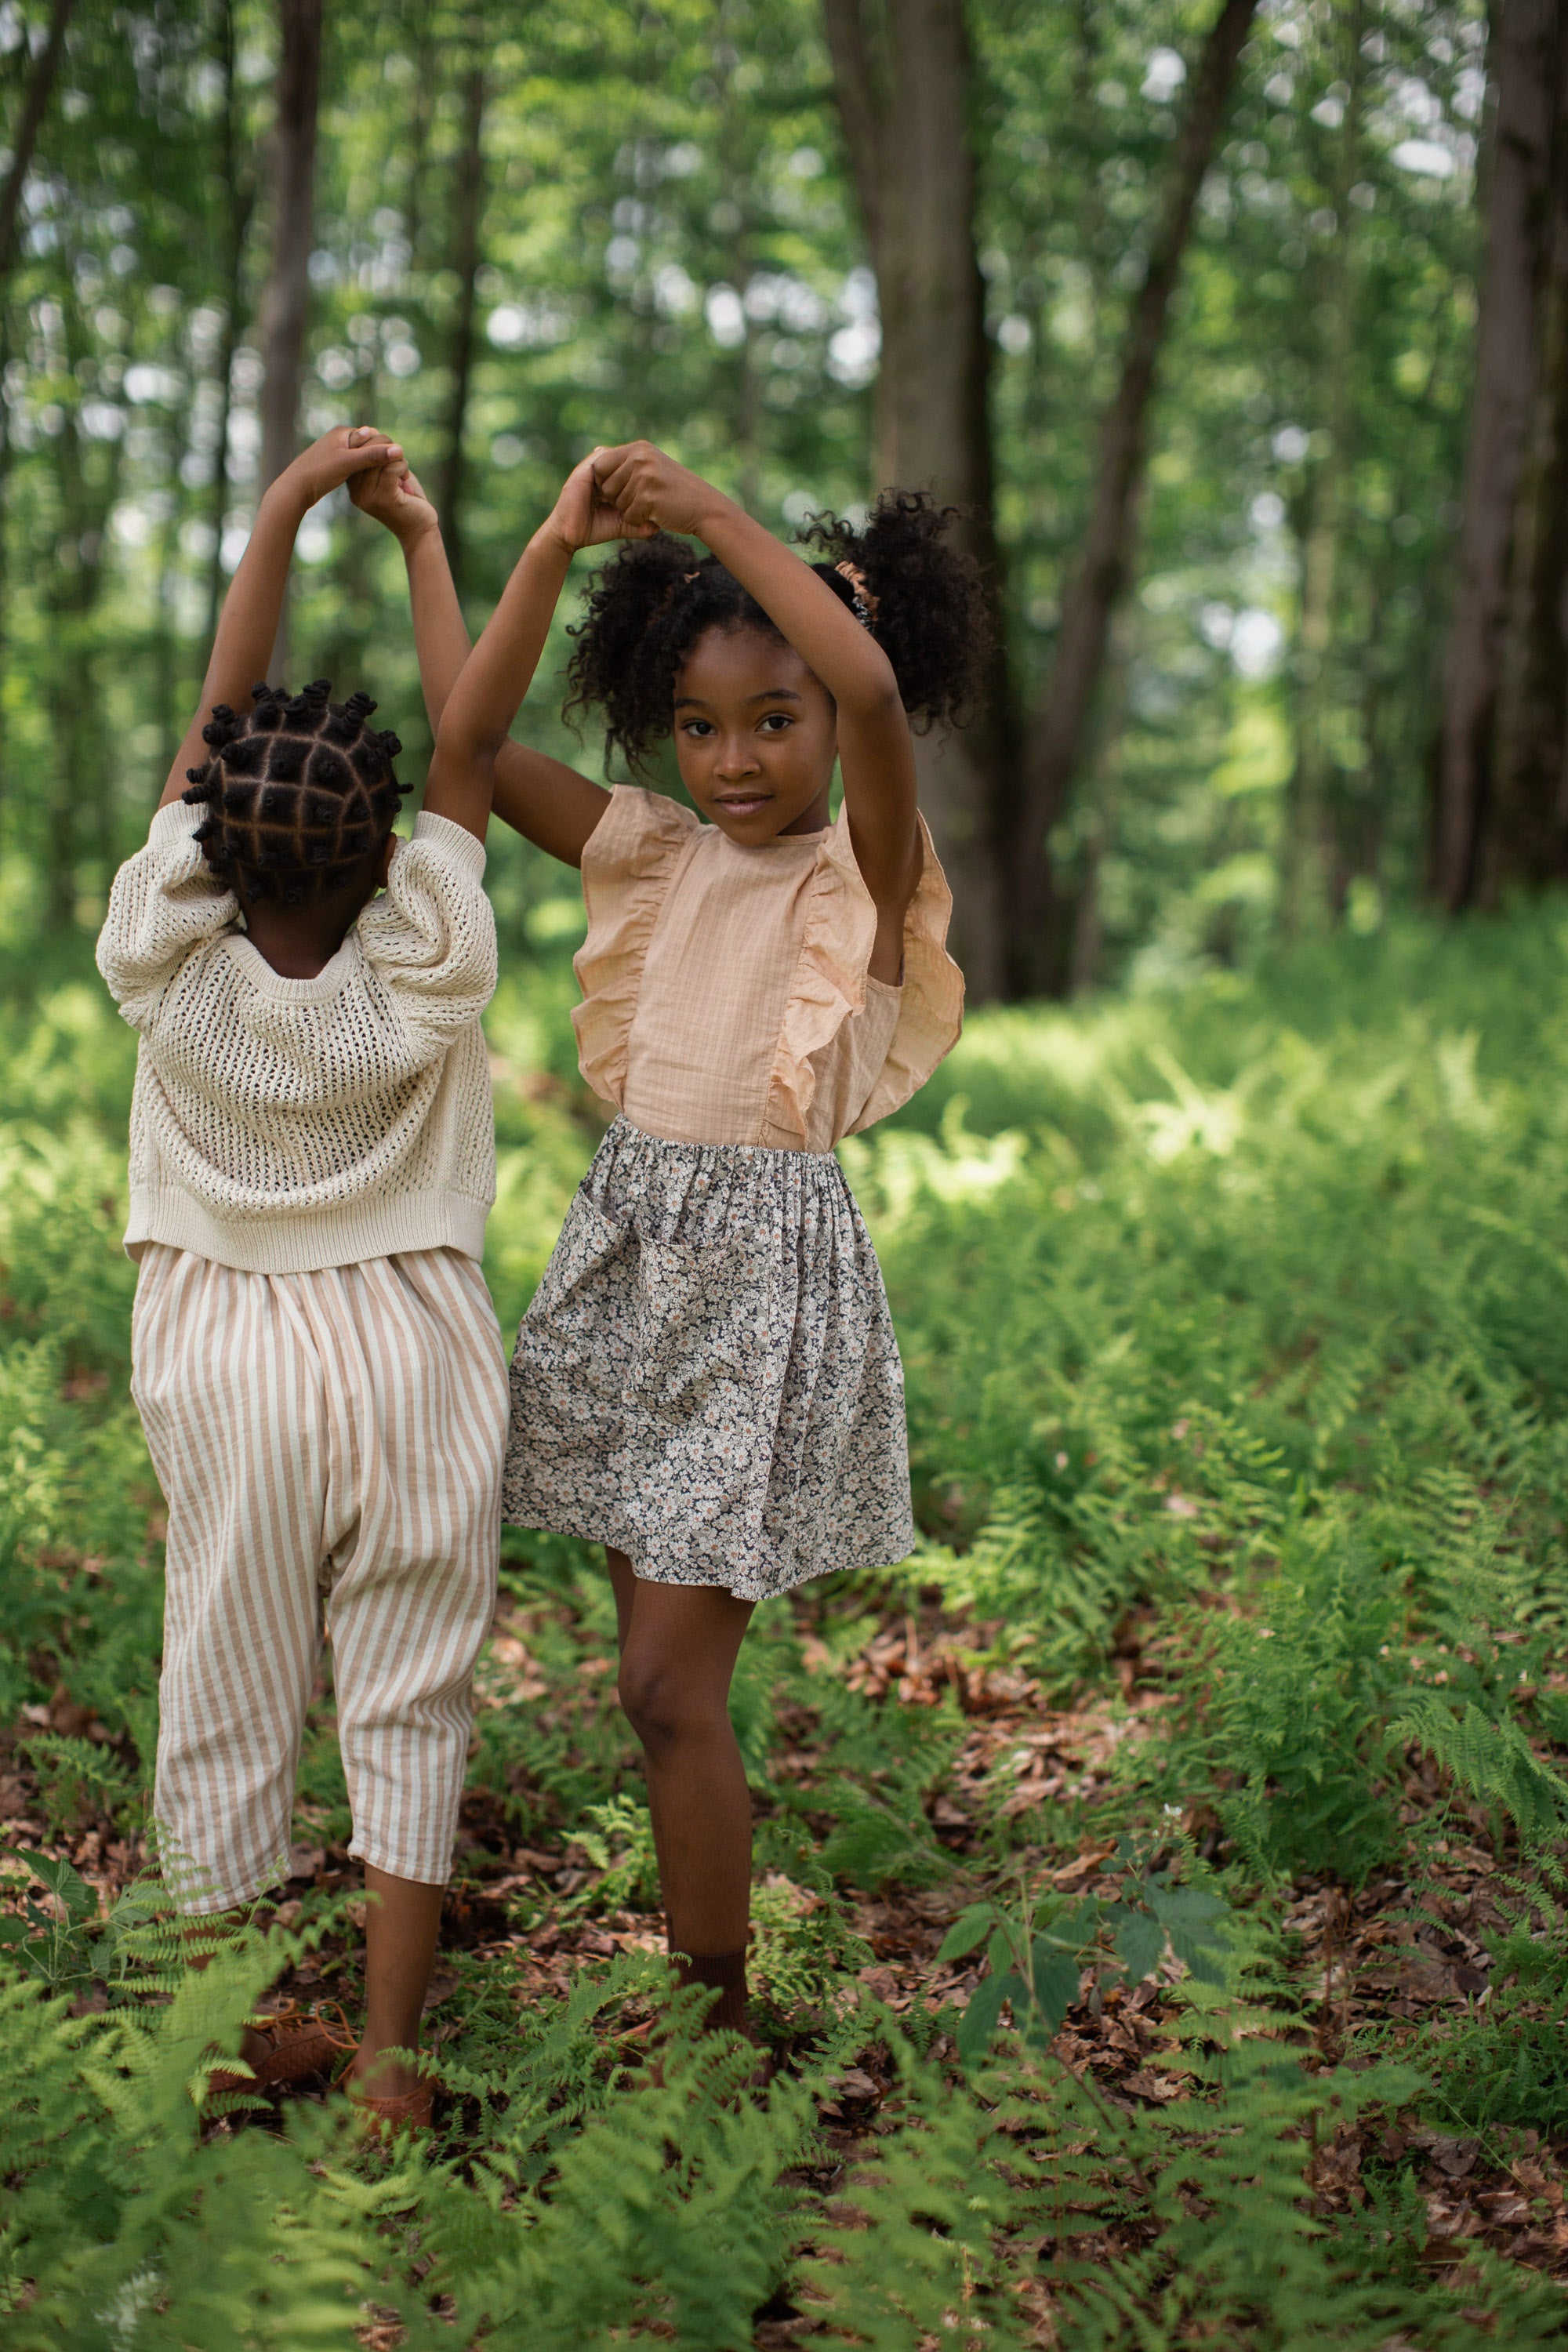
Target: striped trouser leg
[
  {"x": 332, "y": 1436},
  {"x": 419, "y": 1414}
]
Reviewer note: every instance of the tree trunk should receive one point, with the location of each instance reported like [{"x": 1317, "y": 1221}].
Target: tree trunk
[
  {"x": 239, "y": 195},
  {"x": 901, "y": 76},
  {"x": 468, "y": 209},
  {"x": 285, "y": 306},
  {"x": 1508, "y": 340},
  {"x": 34, "y": 105},
  {"x": 1305, "y": 885},
  {"x": 1104, "y": 564},
  {"x": 1105, "y": 787},
  {"x": 1530, "y": 837}
]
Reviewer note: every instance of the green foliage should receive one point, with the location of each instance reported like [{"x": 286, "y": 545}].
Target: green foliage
[
  {"x": 620, "y": 1846},
  {"x": 1232, "y": 1360},
  {"x": 1037, "y": 1953}
]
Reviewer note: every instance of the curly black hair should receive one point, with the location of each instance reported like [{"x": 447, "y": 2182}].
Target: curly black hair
[
  {"x": 301, "y": 793},
  {"x": 922, "y": 599}
]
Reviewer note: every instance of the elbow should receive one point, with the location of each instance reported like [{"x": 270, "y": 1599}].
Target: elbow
[{"x": 873, "y": 700}]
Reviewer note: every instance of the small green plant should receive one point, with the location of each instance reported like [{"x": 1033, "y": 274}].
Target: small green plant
[
  {"x": 1038, "y": 1952},
  {"x": 77, "y": 1778},
  {"x": 620, "y": 1846}
]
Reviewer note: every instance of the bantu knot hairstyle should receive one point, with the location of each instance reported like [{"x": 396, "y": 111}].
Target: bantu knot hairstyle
[
  {"x": 300, "y": 792},
  {"x": 921, "y": 599}
]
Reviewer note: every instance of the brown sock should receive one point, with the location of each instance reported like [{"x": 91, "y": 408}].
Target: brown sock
[{"x": 723, "y": 1973}]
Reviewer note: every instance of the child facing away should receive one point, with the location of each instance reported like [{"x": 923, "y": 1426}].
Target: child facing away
[
  {"x": 707, "y": 1380},
  {"x": 315, "y": 1356}
]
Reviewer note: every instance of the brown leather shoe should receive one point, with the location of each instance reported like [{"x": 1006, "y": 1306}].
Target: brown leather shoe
[
  {"x": 384, "y": 2113},
  {"x": 303, "y": 2045}
]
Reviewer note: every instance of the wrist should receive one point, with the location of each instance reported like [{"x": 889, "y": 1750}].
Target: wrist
[
  {"x": 553, "y": 539},
  {"x": 712, "y": 511},
  {"x": 288, "y": 493}
]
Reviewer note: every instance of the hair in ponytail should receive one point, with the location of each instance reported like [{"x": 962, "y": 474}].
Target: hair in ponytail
[{"x": 922, "y": 599}]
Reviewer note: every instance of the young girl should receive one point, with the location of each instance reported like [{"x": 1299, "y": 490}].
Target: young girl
[
  {"x": 316, "y": 1359},
  {"x": 707, "y": 1381}
]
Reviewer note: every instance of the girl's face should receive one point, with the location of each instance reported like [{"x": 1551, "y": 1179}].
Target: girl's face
[{"x": 756, "y": 736}]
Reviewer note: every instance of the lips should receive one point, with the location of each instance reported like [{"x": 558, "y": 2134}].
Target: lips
[{"x": 744, "y": 803}]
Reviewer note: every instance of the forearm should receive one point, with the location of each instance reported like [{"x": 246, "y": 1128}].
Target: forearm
[
  {"x": 822, "y": 631},
  {"x": 248, "y": 625},
  {"x": 441, "y": 640},
  {"x": 494, "y": 679},
  {"x": 496, "y": 675}
]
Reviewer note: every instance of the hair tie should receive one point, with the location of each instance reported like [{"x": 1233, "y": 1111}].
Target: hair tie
[{"x": 862, "y": 604}]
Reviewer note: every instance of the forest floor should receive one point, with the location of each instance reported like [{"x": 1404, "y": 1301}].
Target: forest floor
[
  {"x": 523, "y": 1922},
  {"x": 1238, "y": 1373}
]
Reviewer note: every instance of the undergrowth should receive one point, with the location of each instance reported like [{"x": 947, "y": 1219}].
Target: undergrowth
[{"x": 1236, "y": 1325}]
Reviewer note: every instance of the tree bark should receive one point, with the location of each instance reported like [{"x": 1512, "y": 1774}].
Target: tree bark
[
  {"x": 901, "y": 76},
  {"x": 1305, "y": 880},
  {"x": 1529, "y": 841},
  {"x": 1100, "y": 574},
  {"x": 1508, "y": 341},
  {"x": 285, "y": 306},
  {"x": 239, "y": 195},
  {"x": 34, "y": 105},
  {"x": 468, "y": 210}
]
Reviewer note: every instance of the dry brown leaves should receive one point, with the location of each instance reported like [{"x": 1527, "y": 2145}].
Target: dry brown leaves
[{"x": 1394, "y": 1955}]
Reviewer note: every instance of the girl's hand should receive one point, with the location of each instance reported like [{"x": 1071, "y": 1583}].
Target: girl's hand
[
  {"x": 585, "y": 516},
  {"x": 650, "y": 488},
  {"x": 393, "y": 495},
  {"x": 346, "y": 449}
]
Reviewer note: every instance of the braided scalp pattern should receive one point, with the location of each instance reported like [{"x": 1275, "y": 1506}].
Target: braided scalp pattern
[
  {"x": 300, "y": 792},
  {"x": 649, "y": 604}
]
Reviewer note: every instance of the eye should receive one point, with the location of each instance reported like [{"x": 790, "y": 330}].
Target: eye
[
  {"x": 697, "y": 726},
  {"x": 776, "y": 721}
]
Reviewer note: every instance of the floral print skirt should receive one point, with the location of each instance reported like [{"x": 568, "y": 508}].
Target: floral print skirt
[{"x": 708, "y": 1377}]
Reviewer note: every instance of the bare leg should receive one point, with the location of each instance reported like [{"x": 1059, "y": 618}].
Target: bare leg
[
  {"x": 402, "y": 1921},
  {"x": 678, "y": 1654},
  {"x": 624, "y": 1583}
]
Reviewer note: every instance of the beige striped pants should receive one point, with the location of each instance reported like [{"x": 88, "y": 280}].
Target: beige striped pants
[{"x": 330, "y": 1448}]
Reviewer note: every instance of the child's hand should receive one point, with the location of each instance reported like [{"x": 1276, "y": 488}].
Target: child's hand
[
  {"x": 650, "y": 488},
  {"x": 393, "y": 496},
  {"x": 584, "y": 517},
  {"x": 346, "y": 449}
]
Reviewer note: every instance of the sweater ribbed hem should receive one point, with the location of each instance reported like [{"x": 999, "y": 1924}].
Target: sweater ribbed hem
[{"x": 285, "y": 1243}]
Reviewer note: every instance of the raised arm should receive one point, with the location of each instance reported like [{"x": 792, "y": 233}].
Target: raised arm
[
  {"x": 875, "y": 751},
  {"x": 543, "y": 799},
  {"x": 248, "y": 625},
  {"x": 482, "y": 704}
]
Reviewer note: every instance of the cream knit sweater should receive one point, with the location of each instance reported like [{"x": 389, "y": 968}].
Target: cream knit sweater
[{"x": 282, "y": 1125}]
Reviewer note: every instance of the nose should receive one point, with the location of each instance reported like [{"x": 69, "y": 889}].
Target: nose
[{"x": 738, "y": 759}]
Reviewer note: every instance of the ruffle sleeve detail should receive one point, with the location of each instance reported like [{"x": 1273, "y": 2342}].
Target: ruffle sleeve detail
[
  {"x": 628, "y": 864},
  {"x": 830, "y": 991}
]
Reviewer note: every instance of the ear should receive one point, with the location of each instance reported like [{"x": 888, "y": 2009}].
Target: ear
[{"x": 384, "y": 863}]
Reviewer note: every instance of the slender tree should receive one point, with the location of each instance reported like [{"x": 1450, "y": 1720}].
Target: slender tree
[
  {"x": 1308, "y": 861},
  {"x": 1529, "y": 838},
  {"x": 237, "y": 183},
  {"x": 467, "y": 212},
  {"x": 24, "y": 139},
  {"x": 902, "y": 77},
  {"x": 1061, "y": 729},
  {"x": 1508, "y": 337},
  {"x": 285, "y": 306}
]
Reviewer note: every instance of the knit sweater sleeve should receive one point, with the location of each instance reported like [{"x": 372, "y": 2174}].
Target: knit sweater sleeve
[
  {"x": 164, "y": 902},
  {"x": 431, "y": 938}
]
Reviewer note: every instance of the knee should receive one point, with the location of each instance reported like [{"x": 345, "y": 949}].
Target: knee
[{"x": 658, "y": 1702}]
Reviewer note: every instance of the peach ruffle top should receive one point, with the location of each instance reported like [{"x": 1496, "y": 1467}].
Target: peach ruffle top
[{"x": 726, "y": 997}]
